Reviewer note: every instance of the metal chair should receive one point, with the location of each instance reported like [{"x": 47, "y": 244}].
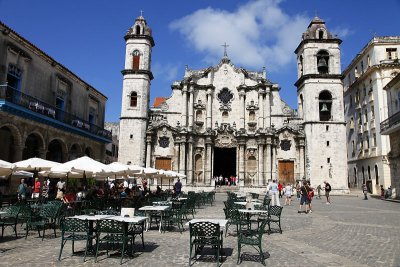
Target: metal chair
[
  {"x": 205, "y": 234},
  {"x": 114, "y": 232},
  {"x": 10, "y": 218},
  {"x": 252, "y": 238},
  {"x": 274, "y": 216},
  {"x": 75, "y": 230}
]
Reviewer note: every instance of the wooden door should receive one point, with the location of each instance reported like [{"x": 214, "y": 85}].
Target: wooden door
[
  {"x": 286, "y": 171},
  {"x": 163, "y": 164}
]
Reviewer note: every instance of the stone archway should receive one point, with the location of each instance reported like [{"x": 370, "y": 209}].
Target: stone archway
[
  {"x": 7, "y": 143},
  {"x": 89, "y": 152},
  {"x": 55, "y": 151},
  {"x": 34, "y": 145},
  {"x": 74, "y": 152}
]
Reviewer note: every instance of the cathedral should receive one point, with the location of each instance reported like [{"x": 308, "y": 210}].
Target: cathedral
[{"x": 224, "y": 120}]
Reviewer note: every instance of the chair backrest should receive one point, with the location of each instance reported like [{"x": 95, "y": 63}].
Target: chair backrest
[
  {"x": 12, "y": 211},
  {"x": 204, "y": 229},
  {"x": 110, "y": 227},
  {"x": 25, "y": 212},
  {"x": 267, "y": 201},
  {"x": 275, "y": 211},
  {"x": 127, "y": 212},
  {"x": 74, "y": 225}
]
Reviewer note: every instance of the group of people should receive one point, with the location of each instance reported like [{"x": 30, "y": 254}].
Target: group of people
[
  {"x": 220, "y": 181},
  {"x": 305, "y": 194}
]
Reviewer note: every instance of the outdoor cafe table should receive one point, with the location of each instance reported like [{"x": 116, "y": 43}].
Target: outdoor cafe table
[
  {"x": 252, "y": 212},
  {"x": 222, "y": 222},
  {"x": 149, "y": 209},
  {"x": 244, "y": 203}
]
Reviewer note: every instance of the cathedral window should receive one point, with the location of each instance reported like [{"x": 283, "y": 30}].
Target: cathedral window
[
  {"x": 391, "y": 53},
  {"x": 133, "y": 99},
  {"x": 137, "y": 29},
  {"x": 135, "y": 59},
  {"x": 325, "y": 106},
  {"x": 252, "y": 116},
  {"x": 376, "y": 174},
  {"x": 225, "y": 96},
  {"x": 225, "y": 116},
  {"x": 320, "y": 34},
  {"x": 323, "y": 62}
]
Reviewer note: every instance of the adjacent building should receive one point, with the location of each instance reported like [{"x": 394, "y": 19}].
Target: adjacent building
[
  {"x": 224, "y": 120},
  {"x": 46, "y": 110},
  {"x": 112, "y": 148},
  {"x": 391, "y": 127},
  {"x": 366, "y": 106}
]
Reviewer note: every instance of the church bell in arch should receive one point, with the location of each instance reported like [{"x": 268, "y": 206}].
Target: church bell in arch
[
  {"x": 322, "y": 65},
  {"x": 324, "y": 108}
]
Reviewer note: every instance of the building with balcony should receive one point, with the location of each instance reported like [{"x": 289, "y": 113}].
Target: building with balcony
[
  {"x": 365, "y": 104},
  {"x": 391, "y": 127},
  {"x": 46, "y": 110}
]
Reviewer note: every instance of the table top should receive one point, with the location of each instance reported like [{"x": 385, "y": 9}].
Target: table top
[
  {"x": 162, "y": 203},
  {"x": 182, "y": 198},
  {"x": 253, "y": 211},
  {"x": 135, "y": 219},
  {"x": 244, "y": 203},
  {"x": 92, "y": 217},
  {"x": 222, "y": 222},
  {"x": 3, "y": 212},
  {"x": 154, "y": 208}
]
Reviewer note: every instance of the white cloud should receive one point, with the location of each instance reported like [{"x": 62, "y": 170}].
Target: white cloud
[
  {"x": 259, "y": 33},
  {"x": 167, "y": 72},
  {"x": 342, "y": 32}
]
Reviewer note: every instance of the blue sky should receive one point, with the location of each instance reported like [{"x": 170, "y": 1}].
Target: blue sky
[{"x": 87, "y": 36}]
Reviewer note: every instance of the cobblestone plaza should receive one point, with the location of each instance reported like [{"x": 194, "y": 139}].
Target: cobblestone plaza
[{"x": 349, "y": 232}]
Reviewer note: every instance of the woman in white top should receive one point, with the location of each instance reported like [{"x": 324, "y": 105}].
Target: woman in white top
[{"x": 288, "y": 194}]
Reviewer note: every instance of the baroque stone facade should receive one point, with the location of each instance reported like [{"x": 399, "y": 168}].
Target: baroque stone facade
[
  {"x": 224, "y": 120},
  {"x": 46, "y": 110},
  {"x": 365, "y": 108}
]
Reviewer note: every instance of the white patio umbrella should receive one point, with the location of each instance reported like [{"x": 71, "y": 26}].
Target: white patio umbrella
[
  {"x": 83, "y": 165},
  {"x": 118, "y": 168},
  {"x": 35, "y": 164},
  {"x": 6, "y": 168}
]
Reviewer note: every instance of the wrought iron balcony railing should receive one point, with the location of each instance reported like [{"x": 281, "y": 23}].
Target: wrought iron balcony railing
[
  {"x": 390, "y": 122},
  {"x": 20, "y": 99}
]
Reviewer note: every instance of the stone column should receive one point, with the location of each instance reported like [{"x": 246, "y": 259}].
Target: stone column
[
  {"x": 242, "y": 96},
  {"x": 191, "y": 106},
  {"x": 242, "y": 170},
  {"x": 176, "y": 157},
  {"x": 261, "y": 93},
  {"x": 302, "y": 158},
  {"x": 182, "y": 156},
  {"x": 267, "y": 109},
  {"x": 209, "y": 109},
  {"x": 268, "y": 162},
  {"x": 207, "y": 175},
  {"x": 260, "y": 163},
  {"x": 274, "y": 174},
  {"x": 148, "y": 151},
  {"x": 185, "y": 107},
  {"x": 190, "y": 161},
  {"x": 18, "y": 150}
]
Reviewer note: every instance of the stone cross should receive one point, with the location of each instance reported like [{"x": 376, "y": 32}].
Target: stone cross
[
  {"x": 141, "y": 13},
  {"x": 225, "y": 46}
]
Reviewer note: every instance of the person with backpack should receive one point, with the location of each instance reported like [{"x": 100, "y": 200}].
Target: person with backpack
[{"x": 328, "y": 189}]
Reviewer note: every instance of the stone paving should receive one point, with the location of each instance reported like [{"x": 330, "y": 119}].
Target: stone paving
[{"x": 349, "y": 232}]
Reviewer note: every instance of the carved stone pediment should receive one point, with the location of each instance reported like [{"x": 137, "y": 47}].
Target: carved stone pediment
[{"x": 225, "y": 140}]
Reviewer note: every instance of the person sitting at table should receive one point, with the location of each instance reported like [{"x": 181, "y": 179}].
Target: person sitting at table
[{"x": 68, "y": 199}]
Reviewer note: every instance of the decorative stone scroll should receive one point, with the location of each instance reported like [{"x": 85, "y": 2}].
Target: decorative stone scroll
[
  {"x": 163, "y": 141},
  {"x": 226, "y": 141}
]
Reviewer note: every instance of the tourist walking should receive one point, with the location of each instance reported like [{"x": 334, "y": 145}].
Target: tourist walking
[
  {"x": 310, "y": 195},
  {"x": 45, "y": 191},
  {"x": 319, "y": 187},
  {"x": 365, "y": 191},
  {"x": 288, "y": 194},
  {"x": 298, "y": 193},
  {"x": 273, "y": 191},
  {"x": 328, "y": 189},
  {"x": 303, "y": 198},
  {"x": 280, "y": 188},
  {"x": 178, "y": 188},
  {"x": 36, "y": 189}
]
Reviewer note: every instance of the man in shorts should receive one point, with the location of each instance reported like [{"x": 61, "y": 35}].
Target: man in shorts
[
  {"x": 303, "y": 198},
  {"x": 328, "y": 189}
]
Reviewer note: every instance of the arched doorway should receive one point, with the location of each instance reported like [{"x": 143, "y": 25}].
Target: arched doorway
[
  {"x": 74, "y": 152},
  {"x": 89, "y": 152},
  {"x": 33, "y": 143},
  {"x": 55, "y": 151},
  {"x": 7, "y": 144}
]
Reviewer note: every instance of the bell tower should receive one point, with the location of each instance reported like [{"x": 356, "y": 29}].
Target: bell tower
[
  {"x": 320, "y": 100},
  {"x": 135, "y": 93}
]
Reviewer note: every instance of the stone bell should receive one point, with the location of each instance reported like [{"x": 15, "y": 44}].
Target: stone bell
[
  {"x": 322, "y": 65},
  {"x": 324, "y": 108}
]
